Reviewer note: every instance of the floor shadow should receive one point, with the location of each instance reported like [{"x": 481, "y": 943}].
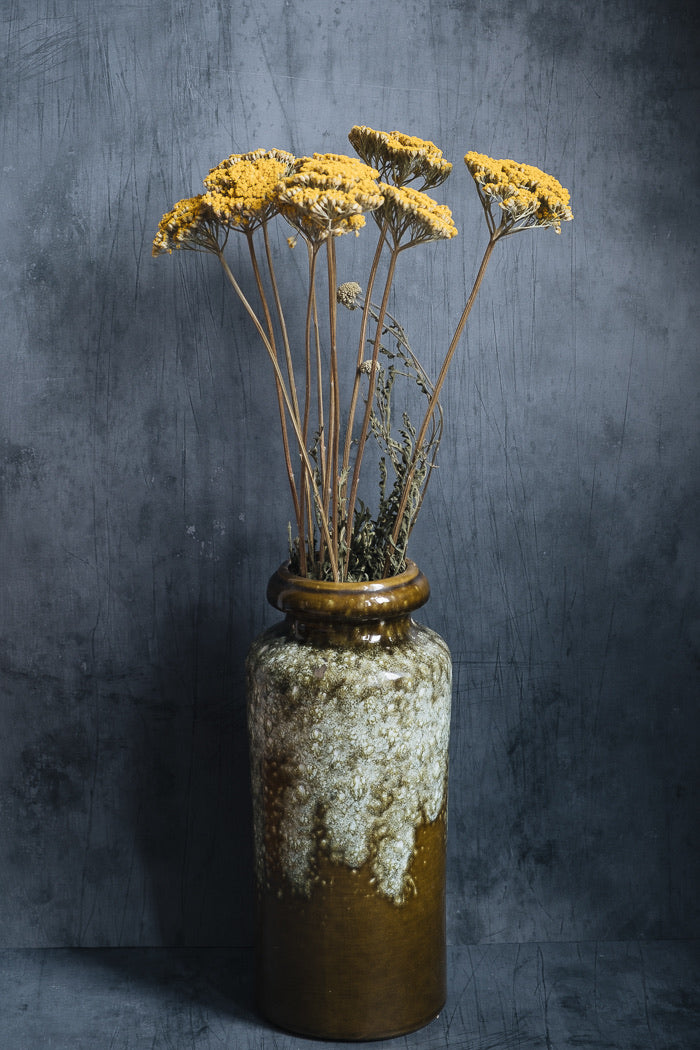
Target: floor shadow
[
  {"x": 220, "y": 981},
  {"x": 191, "y": 798},
  {"x": 190, "y": 805}
]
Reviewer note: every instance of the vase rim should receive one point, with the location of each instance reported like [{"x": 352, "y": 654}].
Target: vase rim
[{"x": 351, "y": 602}]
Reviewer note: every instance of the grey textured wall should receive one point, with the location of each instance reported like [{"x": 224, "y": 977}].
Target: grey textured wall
[{"x": 143, "y": 505}]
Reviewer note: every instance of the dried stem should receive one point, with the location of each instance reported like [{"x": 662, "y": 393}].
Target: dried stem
[
  {"x": 420, "y": 438},
  {"x": 364, "y": 431},
  {"x": 282, "y": 323},
  {"x": 361, "y": 345},
  {"x": 330, "y": 481},
  {"x": 307, "y": 471},
  {"x": 278, "y": 388},
  {"x": 310, "y": 311}
]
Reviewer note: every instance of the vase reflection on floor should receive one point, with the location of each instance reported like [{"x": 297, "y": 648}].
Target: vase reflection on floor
[{"x": 349, "y": 708}]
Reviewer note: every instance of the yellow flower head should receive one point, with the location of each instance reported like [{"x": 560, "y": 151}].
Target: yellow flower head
[
  {"x": 413, "y": 214},
  {"x": 528, "y": 197},
  {"x": 326, "y": 195},
  {"x": 190, "y": 225},
  {"x": 401, "y": 158},
  {"x": 241, "y": 189}
]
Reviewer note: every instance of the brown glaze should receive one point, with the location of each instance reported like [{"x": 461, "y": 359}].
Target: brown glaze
[
  {"x": 349, "y": 613},
  {"x": 347, "y": 963}
]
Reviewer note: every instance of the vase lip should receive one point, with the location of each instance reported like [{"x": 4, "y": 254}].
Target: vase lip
[{"x": 351, "y": 602}]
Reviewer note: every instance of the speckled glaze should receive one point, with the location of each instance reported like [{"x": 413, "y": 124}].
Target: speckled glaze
[{"x": 348, "y": 711}]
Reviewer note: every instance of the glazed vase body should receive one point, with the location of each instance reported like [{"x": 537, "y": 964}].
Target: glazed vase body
[{"x": 348, "y": 713}]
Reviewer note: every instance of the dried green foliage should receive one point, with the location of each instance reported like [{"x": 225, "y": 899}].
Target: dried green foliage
[{"x": 377, "y": 547}]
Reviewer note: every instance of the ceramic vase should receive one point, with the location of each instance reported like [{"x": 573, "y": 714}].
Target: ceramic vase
[{"x": 348, "y": 715}]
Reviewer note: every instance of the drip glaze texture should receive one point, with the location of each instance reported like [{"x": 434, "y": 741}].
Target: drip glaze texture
[
  {"x": 353, "y": 740},
  {"x": 349, "y": 727}
]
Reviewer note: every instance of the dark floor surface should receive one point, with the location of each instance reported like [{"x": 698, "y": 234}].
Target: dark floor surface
[{"x": 627, "y": 996}]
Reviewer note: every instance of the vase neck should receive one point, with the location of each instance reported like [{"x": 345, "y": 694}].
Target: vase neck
[
  {"x": 378, "y": 611},
  {"x": 334, "y": 631}
]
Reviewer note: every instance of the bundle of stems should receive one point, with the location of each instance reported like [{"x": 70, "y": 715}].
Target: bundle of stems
[
  {"x": 324, "y": 197},
  {"x": 325, "y": 493}
]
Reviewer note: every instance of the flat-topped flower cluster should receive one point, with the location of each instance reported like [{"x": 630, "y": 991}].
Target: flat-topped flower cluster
[
  {"x": 527, "y": 196},
  {"x": 322, "y": 197},
  {"x": 325, "y": 195}
]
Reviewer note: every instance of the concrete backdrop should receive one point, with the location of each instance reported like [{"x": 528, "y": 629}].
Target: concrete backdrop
[{"x": 144, "y": 505}]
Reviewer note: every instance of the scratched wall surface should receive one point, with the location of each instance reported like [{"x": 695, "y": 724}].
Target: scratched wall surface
[{"x": 143, "y": 501}]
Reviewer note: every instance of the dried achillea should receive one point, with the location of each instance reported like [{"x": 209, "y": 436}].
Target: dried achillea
[
  {"x": 528, "y": 196},
  {"x": 327, "y": 195},
  {"x": 414, "y": 216},
  {"x": 323, "y": 196},
  {"x": 242, "y": 188},
  {"x": 347, "y": 294},
  {"x": 190, "y": 225},
  {"x": 400, "y": 158}
]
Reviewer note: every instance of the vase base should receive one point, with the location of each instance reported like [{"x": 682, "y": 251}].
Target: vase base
[
  {"x": 348, "y": 964},
  {"x": 361, "y": 1035}
]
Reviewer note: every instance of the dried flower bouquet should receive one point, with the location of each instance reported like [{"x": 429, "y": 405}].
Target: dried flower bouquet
[{"x": 325, "y": 429}]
